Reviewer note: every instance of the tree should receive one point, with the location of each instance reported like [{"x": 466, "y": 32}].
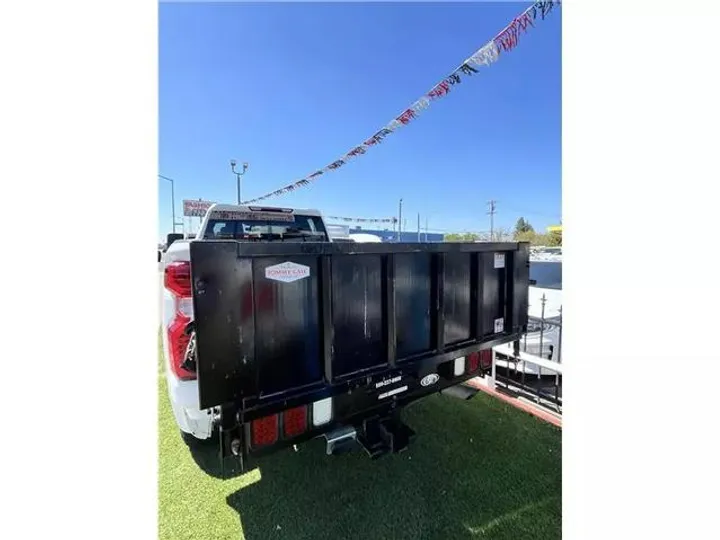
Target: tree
[
  {"x": 500, "y": 234},
  {"x": 523, "y": 226},
  {"x": 530, "y": 236},
  {"x": 460, "y": 237},
  {"x": 555, "y": 238}
]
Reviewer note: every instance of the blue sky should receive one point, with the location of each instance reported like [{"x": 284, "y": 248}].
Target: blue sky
[{"x": 291, "y": 87}]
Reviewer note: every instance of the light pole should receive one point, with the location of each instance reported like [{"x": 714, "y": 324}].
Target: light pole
[
  {"x": 172, "y": 195},
  {"x": 399, "y": 221},
  {"x": 238, "y": 174}
]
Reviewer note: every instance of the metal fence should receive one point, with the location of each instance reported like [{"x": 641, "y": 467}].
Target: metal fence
[{"x": 532, "y": 367}]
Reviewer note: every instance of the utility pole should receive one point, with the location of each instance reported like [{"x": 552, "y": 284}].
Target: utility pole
[
  {"x": 492, "y": 212},
  {"x": 239, "y": 175},
  {"x": 400, "y": 222}
]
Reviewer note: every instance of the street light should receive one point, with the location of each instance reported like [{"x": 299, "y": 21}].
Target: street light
[
  {"x": 400, "y": 221},
  {"x": 239, "y": 181},
  {"x": 172, "y": 195}
]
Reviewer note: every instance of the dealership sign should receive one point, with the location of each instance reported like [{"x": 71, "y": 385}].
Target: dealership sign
[{"x": 193, "y": 208}]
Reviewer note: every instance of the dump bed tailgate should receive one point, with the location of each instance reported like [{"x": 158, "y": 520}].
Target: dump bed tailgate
[{"x": 275, "y": 319}]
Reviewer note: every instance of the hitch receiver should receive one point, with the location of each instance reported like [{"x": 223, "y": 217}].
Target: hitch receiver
[{"x": 380, "y": 436}]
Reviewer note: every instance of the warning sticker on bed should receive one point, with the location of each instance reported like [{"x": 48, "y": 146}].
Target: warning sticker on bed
[
  {"x": 499, "y": 260},
  {"x": 287, "y": 272},
  {"x": 499, "y": 325}
]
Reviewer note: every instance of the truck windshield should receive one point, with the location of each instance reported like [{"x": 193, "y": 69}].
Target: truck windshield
[
  {"x": 547, "y": 275},
  {"x": 302, "y": 228}
]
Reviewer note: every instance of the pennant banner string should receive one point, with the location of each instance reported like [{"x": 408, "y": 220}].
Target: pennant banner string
[{"x": 503, "y": 42}]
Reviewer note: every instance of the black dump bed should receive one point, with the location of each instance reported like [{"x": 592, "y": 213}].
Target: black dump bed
[{"x": 278, "y": 319}]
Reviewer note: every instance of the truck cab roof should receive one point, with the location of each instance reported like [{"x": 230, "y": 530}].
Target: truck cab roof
[{"x": 245, "y": 222}]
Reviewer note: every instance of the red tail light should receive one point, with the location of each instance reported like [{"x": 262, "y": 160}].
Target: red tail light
[
  {"x": 295, "y": 421},
  {"x": 178, "y": 342},
  {"x": 473, "y": 360},
  {"x": 486, "y": 359},
  {"x": 265, "y": 430},
  {"x": 177, "y": 281}
]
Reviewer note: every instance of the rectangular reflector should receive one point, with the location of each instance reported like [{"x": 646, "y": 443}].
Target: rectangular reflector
[
  {"x": 459, "y": 367},
  {"x": 322, "y": 411}
]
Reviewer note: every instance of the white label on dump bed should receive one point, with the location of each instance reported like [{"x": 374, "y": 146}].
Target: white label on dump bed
[
  {"x": 393, "y": 392},
  {"x": 388, "y": 381},
  {"x": 499, "y": 260},
  {"x": 499, "y": 325},
  {"x": 287, "y": 272}
]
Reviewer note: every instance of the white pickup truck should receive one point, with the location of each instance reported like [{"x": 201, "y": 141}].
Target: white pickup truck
[{"x": 222, "y": 221}]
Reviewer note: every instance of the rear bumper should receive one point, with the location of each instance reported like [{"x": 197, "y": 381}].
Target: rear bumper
[
  {"x": 356, "y": 405},
  {"x": 188, "y": 415}
]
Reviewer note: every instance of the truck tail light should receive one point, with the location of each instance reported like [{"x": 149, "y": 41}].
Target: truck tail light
[
  {"x": 177, "y": 281},
  {"x": 178, "y": 342},
  {"x": 486, "y": 358},
  {"x": 473, "y": 361},
  {"x": 264, "y": 431},
  {"x": 295, "y": 421},
  {"x": 322, "y": 412}
]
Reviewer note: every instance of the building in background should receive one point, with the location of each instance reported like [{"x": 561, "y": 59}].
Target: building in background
[
  {"x": 365, "y": 237},
  {"x": 337, "y": 231},
  {"x": 388, "y": 235}
]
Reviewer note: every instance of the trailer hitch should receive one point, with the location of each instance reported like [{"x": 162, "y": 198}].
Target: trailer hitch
[{"x": 380, "y": 436}]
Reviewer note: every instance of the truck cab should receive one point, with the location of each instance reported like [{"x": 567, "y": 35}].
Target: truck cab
[{"x": 268, "y": 224}]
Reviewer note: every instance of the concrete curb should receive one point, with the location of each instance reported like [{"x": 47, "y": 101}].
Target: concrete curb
[{"x": 535, "y": 411}]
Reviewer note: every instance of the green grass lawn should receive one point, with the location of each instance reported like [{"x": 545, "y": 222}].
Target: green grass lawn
[{"x": 477, "y": 469}]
